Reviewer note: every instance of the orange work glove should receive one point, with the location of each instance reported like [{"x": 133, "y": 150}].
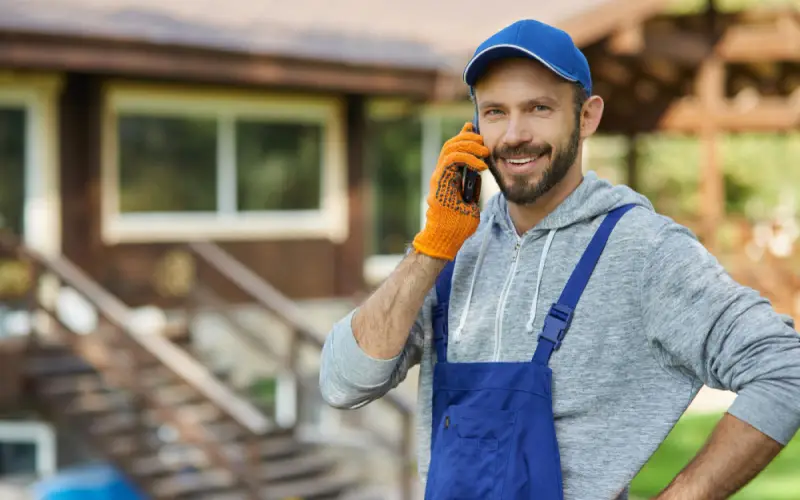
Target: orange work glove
[{"x": 450, "y": 220}]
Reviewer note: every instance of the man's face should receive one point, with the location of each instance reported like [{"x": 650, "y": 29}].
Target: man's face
[{"x": 529, "y": 122}]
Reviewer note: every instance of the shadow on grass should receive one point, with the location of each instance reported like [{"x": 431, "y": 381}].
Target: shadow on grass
[{"x": 779, "y": 481}]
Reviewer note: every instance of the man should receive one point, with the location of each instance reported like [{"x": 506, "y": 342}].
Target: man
[{"x": 575, "y": 325}]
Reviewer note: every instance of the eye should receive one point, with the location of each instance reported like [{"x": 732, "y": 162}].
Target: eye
[
  {"x": 493, "y": 112},
  {"x": 542, "y": 108}
]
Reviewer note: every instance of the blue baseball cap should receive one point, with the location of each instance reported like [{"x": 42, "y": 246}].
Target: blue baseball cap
[{"x": 529, "y": 38}]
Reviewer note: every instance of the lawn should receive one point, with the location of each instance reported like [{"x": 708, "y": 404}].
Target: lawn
[{"x": 779, "y": 481}]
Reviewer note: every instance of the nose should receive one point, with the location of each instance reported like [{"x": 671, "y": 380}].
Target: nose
[{"x": 517, "y": 133}]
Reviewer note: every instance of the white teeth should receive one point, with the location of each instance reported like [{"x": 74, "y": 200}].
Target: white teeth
[{"x": 522, "y": 161}]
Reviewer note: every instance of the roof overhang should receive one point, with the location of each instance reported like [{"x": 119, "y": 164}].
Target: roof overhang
[{"x": 142, "y": 59}]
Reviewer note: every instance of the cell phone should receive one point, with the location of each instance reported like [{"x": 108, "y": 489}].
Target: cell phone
[{"x": 471, "y": 178}]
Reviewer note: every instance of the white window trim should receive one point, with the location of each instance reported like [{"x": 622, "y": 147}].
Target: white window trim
[
  {"x": 378, "y": 267},
  {"x": 330, "y": 221},
  {"x": 38, "y": 94},
  {"x": 39, "y": 433}
]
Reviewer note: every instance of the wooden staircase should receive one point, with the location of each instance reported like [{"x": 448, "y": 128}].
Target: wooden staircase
[
  {"x": 74, "y": 395},
  {"x": 215, "y": 265},
  {"x": 146, "y": 405}
]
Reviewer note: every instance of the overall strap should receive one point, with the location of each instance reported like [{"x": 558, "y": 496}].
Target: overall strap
[
  {"x": 558, "y": 319},
  {"x": 440, "y": 311}
]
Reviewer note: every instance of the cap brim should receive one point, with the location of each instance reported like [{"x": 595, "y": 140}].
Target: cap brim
[{"x": 481, "y": 60}]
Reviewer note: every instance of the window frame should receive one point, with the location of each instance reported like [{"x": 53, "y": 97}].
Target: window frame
[
  {"x": 37, "y": 94},
  {"x": 226, "y": 223}
]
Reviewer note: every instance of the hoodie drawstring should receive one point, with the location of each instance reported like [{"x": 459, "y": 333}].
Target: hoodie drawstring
[
  {"x": 481, "y": 255},
  {"x": 484, "y": 245},
  {"x": 532, "y": 316}
]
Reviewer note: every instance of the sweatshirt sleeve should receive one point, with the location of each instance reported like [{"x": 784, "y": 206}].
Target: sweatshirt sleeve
[
  {"x": 703, "y": 324},
  {"x": 349, "y": 378}
]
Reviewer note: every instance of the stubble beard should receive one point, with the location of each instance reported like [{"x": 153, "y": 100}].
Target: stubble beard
[{"x": 519, "y": 189}]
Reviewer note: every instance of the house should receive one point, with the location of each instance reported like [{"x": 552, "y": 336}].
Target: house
[
  {"x": 106, "y": 84},
  {"x": 298, "y": 137}
]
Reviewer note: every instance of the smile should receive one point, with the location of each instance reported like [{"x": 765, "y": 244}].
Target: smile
[
  {"x": 522, "y": 165},
  {"x": 522, "y": 161}
]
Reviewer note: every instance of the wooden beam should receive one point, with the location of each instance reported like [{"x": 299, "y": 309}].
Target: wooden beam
[
  {"x": 688, "y": 48},
  {"x": 710, "y": 89},
  {"x": 350, "y": 254},
  {"x": 628, "y": 40},
  {"x": 770, "y": 114},
  {"x": 779, "y": 41},
  {"x": 776, "y": 41},
  {"x": 146, "y": 60},
  {"x": 592, "y": 25}
]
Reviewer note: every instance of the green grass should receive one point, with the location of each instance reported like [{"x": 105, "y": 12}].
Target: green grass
[{"x": 779, "y": 481}]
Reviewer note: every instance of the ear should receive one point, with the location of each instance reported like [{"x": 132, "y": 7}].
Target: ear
[{"x": 591, "y": 113}]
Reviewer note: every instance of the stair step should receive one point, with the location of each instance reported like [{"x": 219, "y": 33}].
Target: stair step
[
  {"x": 94, "y": 382},
  {"x": 123, "y": 426},
  {"x": 174, "y": 457},
  {"x": 328, "y": 486},
  {"x": 68, "y": 365},
  {"x": 65, "y": 364},
  {"x": 93, "y": 391},
  {"x": 120, "y": 403},
  {"x": 295, "y": 468}
]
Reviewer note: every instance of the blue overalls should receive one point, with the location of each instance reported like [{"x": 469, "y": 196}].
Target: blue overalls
[{"x": 493, "y": 435}]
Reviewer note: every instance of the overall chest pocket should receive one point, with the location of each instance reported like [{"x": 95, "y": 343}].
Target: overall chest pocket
[{"x": 470, "y": 453}]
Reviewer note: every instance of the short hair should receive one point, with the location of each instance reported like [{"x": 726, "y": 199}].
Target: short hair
[{"x": 580, "y": 96}]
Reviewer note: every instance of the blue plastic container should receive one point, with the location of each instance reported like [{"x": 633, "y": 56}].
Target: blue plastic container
[{"x": 94, "y": 482}]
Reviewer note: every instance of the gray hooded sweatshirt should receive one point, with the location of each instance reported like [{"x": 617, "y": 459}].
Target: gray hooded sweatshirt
[{"x": 659, "y": 318}]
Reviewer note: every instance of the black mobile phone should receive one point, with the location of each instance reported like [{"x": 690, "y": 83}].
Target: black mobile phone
[{"x": 471, "y": 178}]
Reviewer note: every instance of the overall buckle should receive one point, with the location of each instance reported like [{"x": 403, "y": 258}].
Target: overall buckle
[{"x": 556, "y": 324}]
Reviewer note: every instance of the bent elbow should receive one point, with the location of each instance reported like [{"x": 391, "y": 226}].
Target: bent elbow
[{"x": 337, "y": 398}]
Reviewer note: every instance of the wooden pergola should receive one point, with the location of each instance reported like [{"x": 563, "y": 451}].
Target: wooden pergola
[{"x": 706, "y": 74}]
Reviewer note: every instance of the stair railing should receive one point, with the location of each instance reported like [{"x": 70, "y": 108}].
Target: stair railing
[
  {"x": 261, "y": 293},
  {"x": 128, "y": 347}
]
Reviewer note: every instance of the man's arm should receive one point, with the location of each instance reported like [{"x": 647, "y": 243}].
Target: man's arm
[
  {"x": 734, "y": 454},
  {"x": 371, "y": 350},
  {"x": 381, "y": 325},
  {"x": 704, "y": 325}
]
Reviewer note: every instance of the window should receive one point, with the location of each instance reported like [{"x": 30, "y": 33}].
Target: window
[
  {"x": 17, "y": 459},
  {"x": 27, "y": 448},
  {"x": 189, "y": 165},
  {"x": 167, "y": 164},
  {"x": 394, "y": 161}
]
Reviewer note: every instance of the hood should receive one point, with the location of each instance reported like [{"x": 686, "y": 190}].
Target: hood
[{"x": 592, "y": 198}]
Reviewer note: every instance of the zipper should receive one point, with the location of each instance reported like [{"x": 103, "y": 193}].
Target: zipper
[{"x": 498, "y": 321}]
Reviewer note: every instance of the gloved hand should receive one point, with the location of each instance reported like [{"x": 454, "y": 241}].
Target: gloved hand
[{"x": 450, "y": 220}]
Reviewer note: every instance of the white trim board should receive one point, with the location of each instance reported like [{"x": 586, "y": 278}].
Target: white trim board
[{"x": 38, "y": 95}]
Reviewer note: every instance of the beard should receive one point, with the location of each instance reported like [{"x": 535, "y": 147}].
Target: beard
[{"x": 520, "y": 189}]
